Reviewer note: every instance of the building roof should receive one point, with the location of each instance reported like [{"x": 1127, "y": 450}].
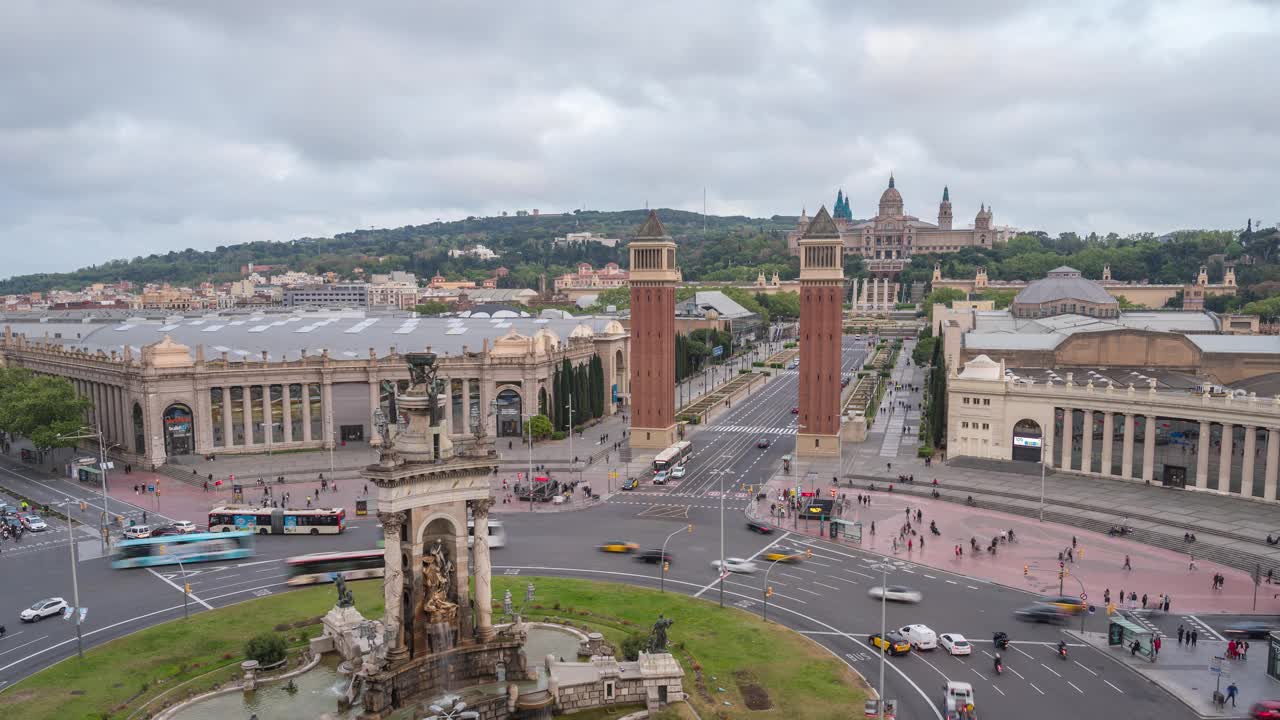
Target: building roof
[
  {"x": 822, "y": 226},
  {"x": 725, "y": 306},
  {"x": 499, "y": 294},
  {"x": 347, "y": 335},
  {"x": 1000, "y": 330},
  {"x": 652, "y": 229},
  {"x": 1064, "y": 284},
  {"x": 1244, "y": 344}
]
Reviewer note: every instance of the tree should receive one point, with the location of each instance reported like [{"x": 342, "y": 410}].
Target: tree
[
  {"x": 1001, "y": 298},
  {"x": 540, "y": 427},
  {"x": 40, "y": 407},
  {"x": 267, "y": 649},
  {"x": 431, "y": 308},
  {"x": 597, "y": 386},
  {"x": 942, "y": 296},
  {"x": 923, "y": 351},
  {"x": 1268, "y": 309}
]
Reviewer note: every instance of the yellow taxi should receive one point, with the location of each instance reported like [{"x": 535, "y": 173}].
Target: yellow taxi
[
  {"x": 781, "y": 557},
  {"x": 891, "y": 642},
  {"x": 619, "y": 546},
  {"x": 1065, "y": 603}
]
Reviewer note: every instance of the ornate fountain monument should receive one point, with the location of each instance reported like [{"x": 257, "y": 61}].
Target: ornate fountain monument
[{"x": 438, "y": 637}]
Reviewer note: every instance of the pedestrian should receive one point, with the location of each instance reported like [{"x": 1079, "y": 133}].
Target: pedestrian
[
  {"x": 1243, "y": 648},
  {"x": 1195, "y": 636},
  {"x": 1192, "y": 564},
  {"x": 1231, "y": 693},
  {"x": 1180, "y": 631},
  {"x": 1127, "y": 565},
  {"x": 1155, "y": 646},
  {"x": 1106, "y": 596},
  {"x": 1144, "y": 601},
  {"x": 144, "y": 517},
  {"x": 1073, "y": 542},
  {"x": 1231, "y": 650},
  {"x": 910, "y": 545},
  {"x": 1166, "y": 603}
]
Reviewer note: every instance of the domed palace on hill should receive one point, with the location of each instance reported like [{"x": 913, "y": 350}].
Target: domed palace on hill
[{"x": 887, "y": 241}]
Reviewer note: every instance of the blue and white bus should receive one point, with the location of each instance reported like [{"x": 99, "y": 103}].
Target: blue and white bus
[{"x": 169, "y": 549}]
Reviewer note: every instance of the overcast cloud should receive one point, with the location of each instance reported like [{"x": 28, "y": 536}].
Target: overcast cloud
[{"x": 135, "y": 127}]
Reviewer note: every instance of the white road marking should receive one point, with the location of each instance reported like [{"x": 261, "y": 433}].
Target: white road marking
[
  {"x": 952, "y": 582},
  {"x": 935, "y": 668},
  {"x": 1074, "y": 686},
  {"x": 972, "y": 587},
  {"x": 177, "y": 587},
  {"x": 1015, "y": 672},
  {"x": 847, "y": 580},
  {"x": 830, "y": 587},
  {"x": 993, "y": 687},
  {"x": 1015, "y": 647},
  {"x": 1033, "y": 685},
  {"x": 797, "y": 577},
  {"x": 1216, "y": 635},
  {"x": 754, "y": 555},
  {"x": 931, "y": 577},
  {"x": 1046, "y": 667},
  {"x": 1085, "y": 668},
  {"x": 6, "y": 652},
  {"x": 1113, "y": 687},
  {"x": 855, "y": 572},
  {"x": 808, "y": 591}
]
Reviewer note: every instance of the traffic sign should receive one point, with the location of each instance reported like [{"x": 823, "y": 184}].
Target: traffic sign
[
  {"x": 520, "y": 476},
  {"x": 1084, "y": 596},
  {"x": 1215, "y": 665},
  {"x": 717, "y": 351},
  {"x": 83, "y": 612}
]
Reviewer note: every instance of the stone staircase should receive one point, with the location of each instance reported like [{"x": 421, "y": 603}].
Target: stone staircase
[{"x": 1227, "y": 548}]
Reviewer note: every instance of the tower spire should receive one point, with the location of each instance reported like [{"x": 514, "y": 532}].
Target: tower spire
[
  {"x": 890, "y": 178},
  {"x": 946, "y": 194}
]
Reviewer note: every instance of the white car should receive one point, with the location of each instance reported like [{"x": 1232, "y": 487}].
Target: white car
[
  {"x": 660, "y": 477},
  {"x": 955, "y": 644},
  {"x": 34, "y": 523},
  {"x": 677, "y": 472},
  {"x": 896, "y": 593},
  {"x": 43, "y": 609},
  {"x": 920, "y": 636},
  {"x": 137, "y": 532},
  {"x": 736, "y": 565},
  {"x": 957, "y": 696},
  {"x": 184, "y": 526}
]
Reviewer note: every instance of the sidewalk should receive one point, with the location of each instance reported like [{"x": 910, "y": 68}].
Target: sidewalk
[
  {"x": 1031, "y": 563},
  {"x": 1183, "y": 671}
]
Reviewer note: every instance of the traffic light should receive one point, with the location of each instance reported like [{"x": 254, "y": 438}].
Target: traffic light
[
  {"x": 1060, "y": 575},
  {"x": 666, "y": 566},
  {"x": 690, "y": 527},
  {"x": 768, "y": 592},
  {"x": 808, "y": 553},
  {"x": 186, "y": 588},
  {"x": 1026, "y": 569}
]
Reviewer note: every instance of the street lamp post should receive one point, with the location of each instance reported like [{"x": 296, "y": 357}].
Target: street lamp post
[
  {"x": 764, "y": 614},
  {"x": 75, "y": 583},
  {"x": 662, "y": 561},
  {"x": 95, "y": 433},
  {"x": 573, "y": 461},
  {"x": 529, "y": 476},
  {"x": 884, "y": 588},
  {"x": 1042, "y": 484}
]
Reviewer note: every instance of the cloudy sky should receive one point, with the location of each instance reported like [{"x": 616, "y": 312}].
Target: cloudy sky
[{"x": 135, "y": 127}]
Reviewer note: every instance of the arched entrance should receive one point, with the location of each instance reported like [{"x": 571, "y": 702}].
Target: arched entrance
[
  {"x": 543, "y": 406},
  {"x": 179, "y": 430},
  {"x": 509, "y": 408},
  {"x": 139, "y": 431},
  {"x": 1028, "y": 440},
  {"x": 619, "y": 374}
]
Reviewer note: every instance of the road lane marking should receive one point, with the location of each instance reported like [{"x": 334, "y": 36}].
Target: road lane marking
[
  {"x": 993, "y": 687},
  {"x": 249, "y": 582},
  {"x": 972, "y": 587},
  {"x": 931, "y": 577},
  {"x": 756, "y": 554},
  {"x": 917, "y": 654},
  {"x": 1046, "y": 667},
  {"x": 807, "y": 591},
  {"x": 1085, "y": 668},
  {"x": 952, "y": 582},
  {"x": 1074, "y": 686},
  {"x": 797, "y": 577},
  {"x": 1216, "y": 635},
  {"x": 6, "y": 652},
  {"x": 177, "y": 587},
  {"x": 855, "y": 572},
  {"x": 830, "y": 587},
  {"x": 1015, "y": 672},
  {"x": 847, "y": 580},
  {"x": 1113, "y": 687},
  {"x": 1033, "y": 685},
  {"x": 1024, "y": 652}
]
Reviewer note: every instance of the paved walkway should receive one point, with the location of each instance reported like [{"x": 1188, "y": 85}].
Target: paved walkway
[
  {"x": 1183, "y": 671},
  {"x": 1031, "y": 563}
]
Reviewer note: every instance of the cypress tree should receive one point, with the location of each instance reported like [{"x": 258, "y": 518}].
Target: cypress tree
[
  {"x": 597, "y": 386},
  {"x": 566, "y": 374}
]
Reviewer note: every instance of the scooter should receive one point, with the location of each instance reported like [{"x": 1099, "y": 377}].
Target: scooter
[
  {"x": 933, "y": 528},
  {"x": 1062, "y": 650},
  {"x": 999, "y": 665}
]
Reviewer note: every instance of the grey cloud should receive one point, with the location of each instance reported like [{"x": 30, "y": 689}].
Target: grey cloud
[{"x": 135, "y": 127}]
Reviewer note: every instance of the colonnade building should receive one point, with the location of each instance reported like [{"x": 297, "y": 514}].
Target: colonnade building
[
  {"x": 1161, "y": 397},
  {"x": 232, "y": 384}
]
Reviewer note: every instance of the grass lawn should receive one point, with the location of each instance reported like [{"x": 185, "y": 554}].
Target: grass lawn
[
  {"x": 126, "y": 672},
  {"x": 727, "y": 654}
]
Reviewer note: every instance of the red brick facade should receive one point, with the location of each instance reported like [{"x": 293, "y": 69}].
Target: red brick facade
[
  {"x": 653, "y": 353},
  {"x": 820, "y": 340}
]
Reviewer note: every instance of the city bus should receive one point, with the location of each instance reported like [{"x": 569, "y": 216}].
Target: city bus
[
  {"x": 277, "y": 521},
  {"x": 168, "y": 550},
  {"x": 497, "y": 533},
  {"x": 672, "y": 456},
  {"x": 321, "y": 567}
]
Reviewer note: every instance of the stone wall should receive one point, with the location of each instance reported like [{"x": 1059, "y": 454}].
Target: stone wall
[{"x": 460, "y": 667}]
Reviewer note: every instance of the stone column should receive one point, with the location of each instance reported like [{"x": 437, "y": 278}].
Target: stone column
[
  {"x": 1202, "y": 456},
  {"x": 447, "y": 383},
  {"x": 113, "y": 406},
  {"x": 1086, "y": 445},
  {"x": 326, "y": 411},
  {"x": 1224, "y": 459},
  {"x": 1273, "y": 464},
  {"x": 1149, "y": 450},
  {"x": 1126, "y": 453},
  {"x": 286, "y": 417},
  {"x": 393, "y": 584},
  {"x": 1108, "y": 441},
  {"x": 466, "y": 406},
  {"x": 202, "y": 422},
  {"x": 483, "y": 570},
  {"x": 306, "y": 412},
  {"x": 246, "y": 406},
  {"x": 1046, "y": 451},
  {"x": 1066, "y": 438},
  {"x": 1246, "y": 468},
  {"x": 228, "y": 434},
  {"x": 267, "y": 420},
  {"x": 375, "y": 402}
]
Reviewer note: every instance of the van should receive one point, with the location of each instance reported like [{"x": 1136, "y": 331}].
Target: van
[
  {"x": 497, "y": 534},
  {"x": 137, "y": 532}
]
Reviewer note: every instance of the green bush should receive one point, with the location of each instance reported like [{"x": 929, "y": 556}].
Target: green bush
[
  {"x": 632, "y": 646},
  {"x": 884, "y": 373},
  {"x": 789, "y": 345},
  {"x": 540, "y": 427},
  {"x": 267, "y": 648},
  {"x": 776, "y": 366},
  {"x": 559, "y": 435},
  {"x": 758, "y": 363},
  {"x": 924, "y": 451}
]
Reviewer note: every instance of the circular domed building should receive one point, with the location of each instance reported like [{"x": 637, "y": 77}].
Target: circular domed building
[{"x": 1064, "y": 291}]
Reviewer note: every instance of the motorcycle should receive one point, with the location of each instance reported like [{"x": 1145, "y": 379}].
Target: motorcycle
[
  {"x": 933, "y": 528},
  {"x": 999, "y": 665},
  {"x": 1062, "y": 650},
  {"x": 1000, "y": 640},
  {"x": 1121, "y": 530}
]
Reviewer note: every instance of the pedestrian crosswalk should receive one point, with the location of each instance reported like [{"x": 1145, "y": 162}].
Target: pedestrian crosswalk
[{"x": 753, "y": 429}]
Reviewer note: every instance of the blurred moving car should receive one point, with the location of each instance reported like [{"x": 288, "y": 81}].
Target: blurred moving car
[
  {"x": 736, "y": 565},
  {"x": 891, "y": 642},
  {"x": 1041, "y": 613},
  {"x": 677, "y": 472},
  {"x": 43, "y": 609},
  {"x": 762, "y": 442},
  {"x": 795, "y": 409},
  {"x": 896, "y": 593},
  {"x": 619, "y": 546},
  {"x": 32, "y": 522},
  {"x": 1248, "y": 629},
  {"x": 955, "y": 644},
  {"x": 763, "y": 528},
  {"x": 137, "y": 532},
  {"x": 1265, "y": 710},
  {"x": 164, "y": 530},
  {"x": 631, "y": 483},
  {"x": 1067, "y": 603},
  {"x": 779, "y": 556},
  {"x": 654, "y": 555},
  {"x": 660, "y": 477},
  {"x": 184, "y": 526},
  {"x": 921, "y": 637}
]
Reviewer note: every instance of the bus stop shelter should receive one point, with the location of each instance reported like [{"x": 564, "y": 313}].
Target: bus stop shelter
[
  {"x": 847, "y": 530},
  {"x": 1131, "y": 637}
]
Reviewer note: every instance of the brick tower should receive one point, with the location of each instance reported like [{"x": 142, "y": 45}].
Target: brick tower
[
  {"x": 821, "y": 311},
  {"x": 653, "y": 335}
]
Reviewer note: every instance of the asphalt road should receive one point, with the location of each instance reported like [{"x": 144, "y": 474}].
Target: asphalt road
[{"x": 824, "y": 597}]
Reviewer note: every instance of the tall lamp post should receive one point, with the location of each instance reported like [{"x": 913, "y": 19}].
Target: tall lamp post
[
  {"x": 768, "y": 591},
  {"x": 662, "y": 561},
  {"x": 884, "y": 591},
  {"x": 95, "y": 433},
  {"x": 528, "y": 478},
  {"x": 75, "y": 583}
]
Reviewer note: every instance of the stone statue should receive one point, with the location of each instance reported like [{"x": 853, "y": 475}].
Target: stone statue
[
  {"x": 422, "y": 371},
  {"x": 658, "y": 636},
  {"x": 346, "y": 598},
  {"x": 437, "y": 569}
]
